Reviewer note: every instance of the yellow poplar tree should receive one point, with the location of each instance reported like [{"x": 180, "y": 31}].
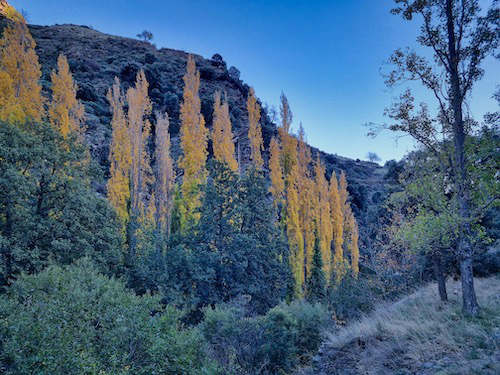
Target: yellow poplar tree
[
  {"x": 254, "y": 130},
  {"x": 162, "y": 198},
  {"x": 277, "y": 187},
  {"x": 65, "y": 111},
  {"x": 193, "y": 135},
  {"x": 119, "y": 154},
  {"x": 293, "y": 230},
  {"x": 337, "y": 223},
  {"x": 343, "y": 194},
  {"x": 347, "y": 217},
  {"x": 324, "y": 226},
  {"x": 139, "y": 108},
  {"x": 21, "y": 74},
  {"x": 306, "y": 199},
  {"x": 10, "y": 108},
  {"x": 222, "y": 135},
  {"x": 290, "y": 168}
]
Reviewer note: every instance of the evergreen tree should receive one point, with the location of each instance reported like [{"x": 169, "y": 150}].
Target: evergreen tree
[
  {"x": 20, "y": 75},
  {"x": 316, "y": 282},
  {"x": 66, "y": 113},
  {"x": 222, "y": 136},
  {"x": 354, "y": 249},
  {"x": 254, "y": 129},
  {"x": 193, "y": 135},
  {"x": 237, "y": 244},
  {"x": 48, "y": 210}
]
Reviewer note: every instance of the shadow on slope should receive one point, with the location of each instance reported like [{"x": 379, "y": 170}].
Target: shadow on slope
[{"x": 419, "y": 335}]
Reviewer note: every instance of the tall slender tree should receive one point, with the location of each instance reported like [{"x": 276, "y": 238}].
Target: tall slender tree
[
  {"x": 460, "y": 37},
  {"x": 316, "y": 281},
  {"x": 337, "y": 222},
  {"x": 194, "y": 145},
  {"x": 254, "y": 130},
  {"x": 66, "y": 112},
  {"x": 222, "y": 136},
  {"x": 120, "y": 157},
  {"x": 164, "y": 176},
  {"x": 20, "y": 75},
  {"x": 290, "y": 168},
  {"x": 139, "y": 108},
  {"x": 352, "y": 241},
  {"x": 277, "y": 187},
  {"x": 306, "y": 199},
  {"x": 324, "y": 221}
]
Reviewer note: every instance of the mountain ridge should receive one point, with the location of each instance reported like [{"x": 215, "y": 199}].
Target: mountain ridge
[{"x": 96, "y": 58}]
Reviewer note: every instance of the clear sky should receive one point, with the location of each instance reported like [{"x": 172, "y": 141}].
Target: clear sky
[{"x": 326, "y": 55}]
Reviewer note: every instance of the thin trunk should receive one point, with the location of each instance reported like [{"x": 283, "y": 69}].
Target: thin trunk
[
  {"x": 470, "y": 305},
  {"x": 440, "y": 277}
]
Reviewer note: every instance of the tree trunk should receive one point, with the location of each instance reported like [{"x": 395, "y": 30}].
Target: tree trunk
[
  {"x": 460, "y": 171},
  {"x": 470, "y": 305},
  {"x": 440, "y": 277}
]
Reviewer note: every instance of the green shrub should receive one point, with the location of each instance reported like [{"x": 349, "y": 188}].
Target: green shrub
[
  {"x": 271, "y": 344},
  {"x": 73, "y": 320},
  {"x": 352, "y": 297}
]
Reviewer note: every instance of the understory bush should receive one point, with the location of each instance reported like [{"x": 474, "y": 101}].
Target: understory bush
[
  {"x": 73, "y": 320},
  {"x": 275, "y": 343}
]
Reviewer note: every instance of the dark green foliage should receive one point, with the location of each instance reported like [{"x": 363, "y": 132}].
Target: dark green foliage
[
  {"x": 48, "y": 211},
  {"x": 234, "y": 250},
  {"x": 276, "y": 343},
  {"x": 238, "y": 234},
  {"x": 73, "y": 320},
  {"x": 316, "y": 283},
  {"x": 353, "y": 297}
]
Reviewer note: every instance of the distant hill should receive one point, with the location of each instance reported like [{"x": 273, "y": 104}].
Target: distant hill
[{"x": 96, "y": 58}]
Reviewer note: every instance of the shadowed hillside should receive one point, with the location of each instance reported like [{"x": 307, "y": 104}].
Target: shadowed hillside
[{"x": 96, "y": 58}]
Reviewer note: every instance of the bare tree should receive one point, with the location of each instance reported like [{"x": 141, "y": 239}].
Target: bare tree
[
  {"x": 147, "y": 36},
  {"x": 460, "y": 38},
  {"x": 373, "y": 157}
]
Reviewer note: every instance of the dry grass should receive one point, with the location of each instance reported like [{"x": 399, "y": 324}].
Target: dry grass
[{"x": 421, "y": 335}]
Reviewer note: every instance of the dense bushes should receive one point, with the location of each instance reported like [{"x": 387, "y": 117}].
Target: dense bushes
[
  {"x": 235, "y": 249},
  {"x": 353, "y": 297},
  {"x": 48, "y": 210},
  {"x": 73, "y": 320},
  {"x": 274, "y": 343}
]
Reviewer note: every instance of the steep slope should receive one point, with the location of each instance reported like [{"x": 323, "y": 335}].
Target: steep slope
[{"x": 96, "y": 58}]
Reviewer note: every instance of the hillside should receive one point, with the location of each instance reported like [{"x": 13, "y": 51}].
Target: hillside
[
  {"x": 419, "y": 335},
  {"x": 96, "y": 58}
]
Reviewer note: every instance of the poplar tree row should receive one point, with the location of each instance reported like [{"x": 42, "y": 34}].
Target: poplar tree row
[
  {"x": 313, "y": 209},
  {"x": 21, "y": 99},
  {"x": 141, "y": 187}
]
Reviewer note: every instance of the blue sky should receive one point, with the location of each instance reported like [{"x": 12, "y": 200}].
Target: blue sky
[{"x": 325, "y": 55}]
